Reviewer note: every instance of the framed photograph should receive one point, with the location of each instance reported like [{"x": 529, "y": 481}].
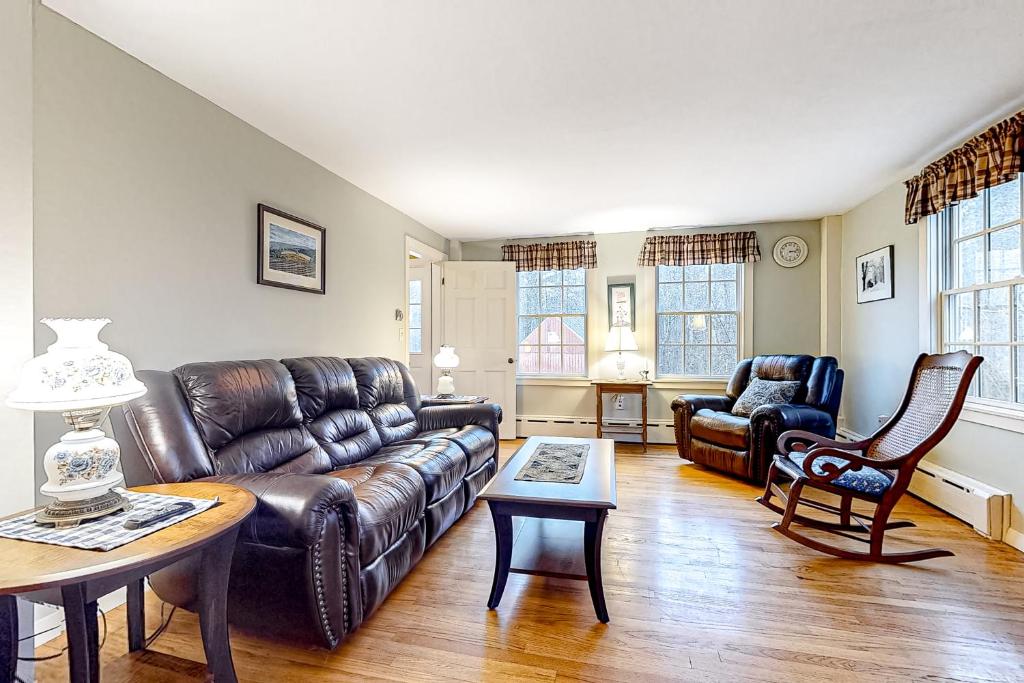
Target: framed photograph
[
  {"x": 875, "y": 277},
  {"x": 290, "y": 251},
  {"x": 622, "y": 305}
]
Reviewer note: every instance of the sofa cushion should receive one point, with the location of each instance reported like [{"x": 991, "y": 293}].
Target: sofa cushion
[
  {"x": 724, "y": 429},
  {"x": 762, "y": 392},
  {"x": 390, "y": 499},
  {"x": 388, "y": 393},
  {"x": 866, "y": 480},
  {"x": 441, "y": 464},
  {"x": 476, "y": 442}
]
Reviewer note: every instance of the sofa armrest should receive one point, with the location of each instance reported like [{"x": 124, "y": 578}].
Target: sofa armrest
[
  {"x": 693, "y": 403},
  {"x": 782, "y": 417},
  {"x": 486, "y": 415}
]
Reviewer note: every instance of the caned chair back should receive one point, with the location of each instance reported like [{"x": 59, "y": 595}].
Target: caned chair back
[{"x": 934, "y": 399}]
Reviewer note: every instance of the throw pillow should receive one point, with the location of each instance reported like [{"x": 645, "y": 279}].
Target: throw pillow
[{"x": 763, "y": 392}]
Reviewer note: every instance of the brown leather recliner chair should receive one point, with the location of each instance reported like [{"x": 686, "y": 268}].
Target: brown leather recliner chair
[{"x": 709, "y": 434}]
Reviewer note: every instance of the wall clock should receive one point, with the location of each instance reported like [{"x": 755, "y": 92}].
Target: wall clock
[{"x": 790, "y": 251}]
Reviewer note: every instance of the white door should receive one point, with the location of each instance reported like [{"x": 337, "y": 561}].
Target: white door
[
  {"x": 479, "y": 304},
  {"x": 418, "y": 315}
]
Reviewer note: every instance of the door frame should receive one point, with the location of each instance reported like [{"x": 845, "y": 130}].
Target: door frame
[{"x": 433, "y": 257}]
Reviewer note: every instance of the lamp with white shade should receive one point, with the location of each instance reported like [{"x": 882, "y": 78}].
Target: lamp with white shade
[
  {"x": 446, "y": 361},
  {"x": 82, "y": 378},
  {"x": 620, "y": 338}
]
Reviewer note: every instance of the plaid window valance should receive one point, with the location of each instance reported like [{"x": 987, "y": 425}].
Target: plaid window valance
[
  {"x": 699, "y": 249},
  {"x": 989, "y": 159},
  {"x": 552, "y": 256}
]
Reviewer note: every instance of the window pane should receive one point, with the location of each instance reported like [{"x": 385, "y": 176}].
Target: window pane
[
  {"x": 575, "y": 299},
  {"x": 1018, "y": 297},
  {"x": 972, "y": 216},
  {"x": 574, "y": 331},
  {"x": 529, "y": 301},
  {"x": 551, "y": 360},
  {"x": 577, "y": 276},
  {"x": 573, "y": 360},
  {"x": 1004, "y": 202},
  {"x": 1004, "y": 254},
  {"x": 695, "y": 360},
  {"x": 551, "y": 277},
  {"x": 723, "y": 360},
  {"x": 670, "y": 273},
  {"x": 529, "y": 278},
  {"x": 960, "y": 318},
  {"x": 723, "y": 329},
  {"x": 529, "y": 331},
  {"x": 670, "y": 329},
  {"x": 670, "y": 360},
  {"x": 697, "y": 329},
  {"x": 415, "y": 291},
  {"x": 696, "y": 296},
  {"x": 670, "y": 297},
  {"x": 415, "y": 315},
  {"x": 723, "y": 271},
  {"x": 550, "y": 299},
  {"x": 695, "y": 273},
  {"x": 551, "y": 331},
  {"x": 995, "y": 373},
  {"x": 1020, "y": 373},
  {"x": 723, "y": 296},
  {"x": 970, "y": 262},
  {"x": 529, "y": 360},
  {"x": 994, "y": 314}
]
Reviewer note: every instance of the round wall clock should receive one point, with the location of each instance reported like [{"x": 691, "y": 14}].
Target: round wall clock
[{"x": 790, "y": 251}]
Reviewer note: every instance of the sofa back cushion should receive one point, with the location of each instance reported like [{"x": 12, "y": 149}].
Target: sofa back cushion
[
  {"x": 388, "y": 394},
  {"x": 329, "y": 400},
  {"x": 784, "y": 368},
  {"x": 248, "y": 415}
]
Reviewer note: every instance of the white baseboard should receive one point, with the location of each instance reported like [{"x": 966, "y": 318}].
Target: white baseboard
[
  {"x": 658, "y": 431},
  {"x": 1014, "y": 539}
]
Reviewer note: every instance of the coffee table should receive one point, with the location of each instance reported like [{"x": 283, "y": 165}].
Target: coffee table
[{"x": 587, "y": 501}]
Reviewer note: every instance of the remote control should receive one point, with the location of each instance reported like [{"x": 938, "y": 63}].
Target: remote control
[{"x": 142, "y": 520}]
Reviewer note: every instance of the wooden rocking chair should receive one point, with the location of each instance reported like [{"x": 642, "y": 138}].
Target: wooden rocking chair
[{"x": 877, "y": 470}]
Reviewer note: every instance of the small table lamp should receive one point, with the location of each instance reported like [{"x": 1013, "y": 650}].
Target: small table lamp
[
  {"x": 446, "y": 360},
  {"x": 620, "y": 338},
  {"x": 82, "y": 378}
]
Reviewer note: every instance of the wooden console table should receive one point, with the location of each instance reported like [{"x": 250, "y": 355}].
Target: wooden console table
[{"x": 622, "y": 386}]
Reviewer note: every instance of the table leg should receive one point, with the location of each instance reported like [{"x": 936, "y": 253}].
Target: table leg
[
  {"x": 214, "y": 575},
  {"x": 136, "y": 616},
  {"x": 592, "y": 532},
  {"x": 8, "y": 638},
  {"x": 82, "y": 635},
  {"x": 600, "y": 411},
  {"x": 502, "y": 555}
]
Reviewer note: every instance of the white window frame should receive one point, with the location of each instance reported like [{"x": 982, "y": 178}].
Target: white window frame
[
  {"x": 542, "y": 377},
  {"x": 744, "y": 326}
]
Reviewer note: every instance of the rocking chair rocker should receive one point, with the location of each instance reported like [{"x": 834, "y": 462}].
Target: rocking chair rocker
[{"x": 877, "y": 470}]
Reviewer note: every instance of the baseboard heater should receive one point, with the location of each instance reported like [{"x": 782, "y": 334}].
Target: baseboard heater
[
  {"x": 985, "y": 508},
  {"x": 658, "y": 431}
]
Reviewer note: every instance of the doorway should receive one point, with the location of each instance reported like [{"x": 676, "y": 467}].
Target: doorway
[{"x": 423, "y": 280}]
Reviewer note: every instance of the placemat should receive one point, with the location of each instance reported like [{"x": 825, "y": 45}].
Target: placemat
[
  {"x": 560, "y": 463},
  {"x": 105, "y": 533}
]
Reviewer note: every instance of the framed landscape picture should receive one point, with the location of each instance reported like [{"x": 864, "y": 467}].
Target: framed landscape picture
[
  {"x": 290, "y": 252},
  {"x": 622, "y": 305},
  {"x": 874, "y": 273}
]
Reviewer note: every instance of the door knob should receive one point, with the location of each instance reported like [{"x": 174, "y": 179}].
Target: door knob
[{"x": 511, "y": 360}]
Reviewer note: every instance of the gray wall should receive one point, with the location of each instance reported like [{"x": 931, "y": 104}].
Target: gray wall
[{"x": 145, "y": 212}]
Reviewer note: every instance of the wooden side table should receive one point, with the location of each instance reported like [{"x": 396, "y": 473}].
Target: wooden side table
[
  {"x": 427, "y": 400},
  {"x": 77, "y": 578},
  {"x": 622, "y": 386}
]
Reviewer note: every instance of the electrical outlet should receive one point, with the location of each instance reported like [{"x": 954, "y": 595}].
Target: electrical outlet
[
  {"x": 882, "y": 419},
  {"x": 618, "y": 402}
]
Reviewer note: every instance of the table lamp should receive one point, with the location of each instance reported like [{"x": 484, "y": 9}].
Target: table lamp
[
  {"x": 620, "y": 338},
  {"x": 82, "y": 378},
  {"x": 446, "y": 360}
]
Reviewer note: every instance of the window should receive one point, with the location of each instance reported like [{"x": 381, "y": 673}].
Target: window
[
  {"x": 981, "y": 288},
  {"x": 552, "y": 323},
  {"x": 698, "y": 327},
  {"x": 415, "y": 316}
]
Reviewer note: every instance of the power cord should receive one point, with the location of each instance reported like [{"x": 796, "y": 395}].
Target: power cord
[
  {"x": 64, "y": 649},
  {"x": 164, "y": 623}
]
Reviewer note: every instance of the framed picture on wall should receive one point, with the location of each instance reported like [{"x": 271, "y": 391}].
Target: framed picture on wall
[
  {"x": 290, "y": 251},
  {"x": 622, "y": 305},
  {"x": 875, "y": 277}
]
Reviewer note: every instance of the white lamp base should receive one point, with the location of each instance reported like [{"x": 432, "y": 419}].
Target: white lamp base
[
  {"x": 620, "y": 365},
  {"x": 445, "y": 385}
]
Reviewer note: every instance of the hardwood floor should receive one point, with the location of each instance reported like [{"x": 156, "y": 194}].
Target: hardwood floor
[{"x": 698, "y": 586}]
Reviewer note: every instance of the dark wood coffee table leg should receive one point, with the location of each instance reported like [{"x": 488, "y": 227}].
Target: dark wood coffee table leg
[
  {"x": 8, "y": 638},
  {"x": 215, "y": 571},
  {"x": 82, "y": 635},
  {"x": 136, "y": 616},
  {"x": 502, "y": 554},
  {"x": 592, "y": 532}
]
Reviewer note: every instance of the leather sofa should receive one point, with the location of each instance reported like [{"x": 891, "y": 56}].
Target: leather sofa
[
  {"x": 709, "y": 434},
  {"x": 354, "y": 479}
]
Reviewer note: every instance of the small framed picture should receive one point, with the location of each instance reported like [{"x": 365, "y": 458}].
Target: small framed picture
[
  {"x": 290, "y": 252},
  {"x": 875, "y": 277},
  {"x": 622, "y": 305}
]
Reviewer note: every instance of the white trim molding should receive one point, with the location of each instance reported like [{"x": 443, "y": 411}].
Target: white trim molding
[
  {"x": 991, "y": 415},
  {"x": 658, "y": 431}
]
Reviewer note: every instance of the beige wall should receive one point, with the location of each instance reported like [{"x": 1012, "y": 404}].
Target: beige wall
[
  {"x": 785, "y": 310},
  {"x": 145, "y": 212},
  {"x": 882, "y": 339}
]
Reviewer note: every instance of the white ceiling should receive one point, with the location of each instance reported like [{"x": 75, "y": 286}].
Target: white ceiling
[{"x": 504, "y": 118}]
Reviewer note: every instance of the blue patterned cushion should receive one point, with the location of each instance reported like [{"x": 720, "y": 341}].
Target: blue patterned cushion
[
  {"x": 866, "y": 480},
  {"x": 762, "y": 392}
]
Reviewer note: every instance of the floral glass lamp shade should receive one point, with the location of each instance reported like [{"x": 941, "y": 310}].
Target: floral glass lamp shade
[
  {"x": 82, "y": 378},
  {"x": 447, "y": 361},
  {"x": 620, "y": 338}
]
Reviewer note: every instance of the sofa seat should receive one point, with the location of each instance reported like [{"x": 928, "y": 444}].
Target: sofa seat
[
  {"x": 441, "y": 464},
  {"x": 390, "y": 498},
  {"x": 475, "y": 441},
  {"x": 721, "y": 428}
]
